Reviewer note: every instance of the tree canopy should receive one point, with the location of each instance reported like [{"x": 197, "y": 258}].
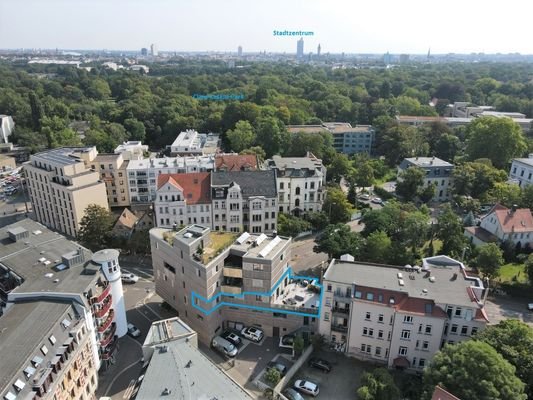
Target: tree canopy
[{"x": 95, "y": 227}]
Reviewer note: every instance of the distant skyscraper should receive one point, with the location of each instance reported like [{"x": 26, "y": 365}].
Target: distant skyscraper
[
  {"x": 144, "y": 51},
  {"x": 318, "y": 51},
  {"x": 387, "y": 58},
  {"x": 239, "y": 51},
  {"x": 153, "y": 50},
  {"x": 300, "y": 48}
]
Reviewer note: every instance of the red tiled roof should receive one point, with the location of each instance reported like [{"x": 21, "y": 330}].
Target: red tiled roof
[
  {"x": 520, "y": 220},
  {"x": 481, "y": 315},
  {"x": 441, "y": 394},
  {"x": 196, "y": 187},
  {"x": 471, "y": 294},
  {"x": 418, "y": 306},
  {"x": 236, "y": 162},
  {"x": 482, "y": 234}
]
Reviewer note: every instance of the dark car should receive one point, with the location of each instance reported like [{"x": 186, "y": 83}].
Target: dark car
[
  {"x": 232, "y": 337},
  {"x": 318, "y": 363},
  {"x": 282, "y": 369},
  {"x": 292, "y": 394}
]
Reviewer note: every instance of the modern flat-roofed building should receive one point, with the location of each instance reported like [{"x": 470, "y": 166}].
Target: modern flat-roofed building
[
  {"x": 142, "y": 174},
  {"x": 171, "y": 351},
  {"x": 112, "y": 171},
  {"x": 215, "y": 280},
  {"x": 61, "y": 186},
  {"x": 301, "y": 183},
  {"x": 400, "y": 316},
  {"x": 438, "y": 173},
  {"x": 191, "y": 142},
  {"x": 244, "y": 201},
  {"x": 132, "y": 150},
  {"x": 60, "y": 314}
]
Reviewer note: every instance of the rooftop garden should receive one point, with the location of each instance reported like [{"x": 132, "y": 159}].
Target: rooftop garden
[{"x": 219, "y": 241}]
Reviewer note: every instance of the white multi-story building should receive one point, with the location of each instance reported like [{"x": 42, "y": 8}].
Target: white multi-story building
[
  {"x": 400, "y": 316},
  {"x": 142, "y": 174},
  {"x": 132, "y": 150},
  {"x": 522, "y": 171},
  {"x": 191, "y": 142},
  {"x": 7, "y": 126},
  {"x": 183, "y": 199},
  {"x": 301, "y": 183},
  {"x": 438, "y": 173}
]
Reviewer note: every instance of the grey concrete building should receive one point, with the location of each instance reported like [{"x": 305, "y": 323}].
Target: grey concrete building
[
  {"x": 438, "y": 173},
  {"x": 216, "y": 280}
]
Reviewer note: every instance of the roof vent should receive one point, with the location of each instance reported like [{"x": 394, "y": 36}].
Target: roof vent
[
  {"x": 187, "y": 235},
  {"x": 425, "y": 291},
  {"x": 401, "y": 282},
  {"x": 400, "y": 276},
  {"x": 432, "y": 279}
]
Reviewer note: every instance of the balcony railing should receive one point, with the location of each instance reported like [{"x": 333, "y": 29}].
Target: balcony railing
[
  {"x": 341, "y": 310},
  {"x": 342, "y": 295},
  {"x": 231, "y": 289},
  {"x": 108, "y": 352},
  {"x": 109, "y": 337},
  {"x": 308, "y": 310},
  {"x": 103, "y": 327},
  {"x": 99, "y": 313},
  {"x": 233, "y": 272},
  {"x": 103, "y": 295},
  {"x": 339, "y": 328}
]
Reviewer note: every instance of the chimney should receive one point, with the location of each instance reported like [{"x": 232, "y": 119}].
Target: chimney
[{"x": 513, "y": 209}]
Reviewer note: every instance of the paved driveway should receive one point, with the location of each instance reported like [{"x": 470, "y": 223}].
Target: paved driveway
[{"x": 500, "y": 308}]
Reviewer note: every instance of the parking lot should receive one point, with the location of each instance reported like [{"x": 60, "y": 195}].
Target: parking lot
[{"x": 499, "y": 308}]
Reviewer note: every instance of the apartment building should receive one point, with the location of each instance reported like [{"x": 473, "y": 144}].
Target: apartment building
[
  {"x": 142, "y": 174},
  {"x": 216, "y": 280},
  {"x": 61, "y": 186},
  {"x": 229, "y": 162},
  {"x": 112, "y": 171},
  {"x": 301, "y": 183},
  {"x": 244, "y": 201},
  {"x": 183, "y": 199},
  {"x": 346, "y": 139},
  {"x": 132, "y": 150},
  {"x": 438, "y": 173},
  {"x": 522, "y": 171},
  {"x": 400, "y": 316},
  {"x": 62, "y": 313},
  {"x": 191, "y": 142}
]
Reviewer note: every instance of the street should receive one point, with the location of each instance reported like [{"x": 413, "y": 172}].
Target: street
[{"x": 304, "y": 260}]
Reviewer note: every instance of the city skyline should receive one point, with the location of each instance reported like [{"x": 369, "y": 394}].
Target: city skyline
[{"x": 383, "y": 26}]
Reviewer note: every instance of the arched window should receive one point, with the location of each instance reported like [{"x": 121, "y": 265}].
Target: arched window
[
  {"x": 297, "y": 190},
  {"x": 297, "y": 202}
]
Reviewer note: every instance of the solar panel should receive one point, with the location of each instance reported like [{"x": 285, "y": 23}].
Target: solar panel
[{"x": 241, "y": 239}]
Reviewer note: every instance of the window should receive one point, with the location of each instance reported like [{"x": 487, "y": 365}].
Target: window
[
  {"x": 368, "y": 348},
  {"x": 358, "y": 294},
  {"x": 326, "y": 316},
  {"x": 454, "y": 328},
  {"x": 458, "y": 311},
  {"x": 363, "y": 348},
  {"x": 428, "y": 329},
  {"x": 281, "y": 185},
  {"x": 464, "y": 330},
  {"x": 408, "y": 319},
  {"x": 329, "y": 288},
  {"x": 370, "y": 296},
  {"x": 380, "y": 298},
  {"x": 421, "y": 362},
  {"x": 425, "y": 345},
  {"x": 378, "y": 351},
  {"x": 474, "y": 331},
  {"x": 258, "y": 297},
  {"x": 420, "y": 328},
  {"x": 380, "y": 318},
  {"x": 367, "y": 316},
  {"x": 417, "y": 344},
  {"x": 406, "y": 334},
  {"x": 380, "y": 334},
  {"x": 402, "y": 351}
]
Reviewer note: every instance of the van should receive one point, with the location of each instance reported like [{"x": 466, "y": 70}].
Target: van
[{"x": 223, "y": 346}]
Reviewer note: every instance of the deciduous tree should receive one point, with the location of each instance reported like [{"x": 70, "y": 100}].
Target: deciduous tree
[{"x": 95, "y": 226}]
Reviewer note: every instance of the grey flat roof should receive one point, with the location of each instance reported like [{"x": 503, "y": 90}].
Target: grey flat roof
[
  {"x": 428, "y": 162},
  {"x": 165, "y": 330},
  {"x": 23, "y": 257},
  {"x": 284, "y": 163},
  {"x": 444, "y": 290},
  {"x": 252, "y": 183},
  {"x": 202, "y": 380},
  {"x": 22, "y": 328},
  {"x": 526, "y": 161},
  {"x": 62, "y": 156}
]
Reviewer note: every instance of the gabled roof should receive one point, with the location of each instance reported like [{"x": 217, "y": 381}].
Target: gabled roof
[
  {"x": 252, "y": 183},
  {"x": 441, "y": 394},
  {"x": 519, "y": 220},
  {"x": 127, "y": 219},
  {"x": 195, "y": 186},
  {"x": 235, "y": 162}
]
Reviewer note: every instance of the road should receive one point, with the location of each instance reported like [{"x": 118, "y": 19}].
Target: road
[{"x": 304, "y": 260}]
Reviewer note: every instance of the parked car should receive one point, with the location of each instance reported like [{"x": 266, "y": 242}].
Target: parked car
[
  {"x": 376, "y": 200},
  {"x": 129, "y": 278},
  {"x": 232, "y": 337},
  {"x": 282, "y": 369},
  {"x": 321, "y": 364},
  {"x": 292, "y": 394},
  {"x": 364, "y": 196},
  {"x": 133, "y": 331},
  {"x": 223, "y": 346},
  {"x": 286, "y": 341},
  {"x": 253, "y": 334},
  {"x": 306, "y": 387}
]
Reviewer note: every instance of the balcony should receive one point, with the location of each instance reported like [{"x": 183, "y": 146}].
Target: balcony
[
  {"x": 108, "y": 352},
  {"x": 231, "y": 289},
  {"x": 233, "y": 272},
  {"x": 103, "y": 327},
  {"x": 99, "y": 313},
  {"x": 341, "y": 310},
  {"x": 339, "y": 328},
  {"x": 345, "y": 296},
  {"x": 106, "y": 289},
  {"x": 300, "y": 295},
  {"x": 109, "y": 337}
]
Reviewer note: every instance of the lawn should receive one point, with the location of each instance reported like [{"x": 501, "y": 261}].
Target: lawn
[
  {"x": 219, "y": 241},
  {"x": 512, "y": 272},
  {"x": 437, "y": 245}
]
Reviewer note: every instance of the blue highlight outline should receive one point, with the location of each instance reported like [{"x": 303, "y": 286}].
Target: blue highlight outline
[{"x": 287, "y": 273}]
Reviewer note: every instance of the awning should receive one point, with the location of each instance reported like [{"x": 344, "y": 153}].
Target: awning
[
  {"x": 37, "y": 360},
  {"x": 401, "y": 362}
]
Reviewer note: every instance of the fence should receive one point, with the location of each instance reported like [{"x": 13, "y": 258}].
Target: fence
[{"x": 290, "y": 373}]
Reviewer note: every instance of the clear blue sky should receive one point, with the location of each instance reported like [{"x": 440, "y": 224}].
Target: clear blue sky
[{"x": 352, "y": 26}]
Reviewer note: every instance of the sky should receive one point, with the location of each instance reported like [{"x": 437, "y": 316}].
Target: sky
[{"x": 351, "y": 26}]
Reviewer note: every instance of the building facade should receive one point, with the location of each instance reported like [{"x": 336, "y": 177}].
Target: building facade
[
  {"x": 191, "y": 142},
  {"x": 112, "y": 171},
  {"x": 522, "y": 171},
  {"x": 132, "y": 150},
  {"x": 400, "y": 316},
  {"x": 216, "y": 280},
  {"x": 7, "y": 126},
  {"x": 438, "y": 173},
  {"x": 61, "y": 186},
  {"x": 301, "y": 183}
]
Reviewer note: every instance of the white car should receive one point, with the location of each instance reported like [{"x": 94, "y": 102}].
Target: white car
[
  {"x": 253, "y": 334},
  {"x": 129, "y": 278},
  {"x": 306, "y": 387},
  {"x": 133, "y": 331}
]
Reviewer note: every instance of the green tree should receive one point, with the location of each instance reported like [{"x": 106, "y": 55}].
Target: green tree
[
  {"x": 399, "y": 142},
  {"x": 378, "y": 247},
  {"x": 505, "y": 193},
  {"x": 318, "y": 219},
  {"x": 135, "y": 129},
  {"x": 271, "y": 135},
  {"x": 339, "y": 167},
  {"x": 289, "y": 225},
  {"x": 527, "y": 197},
  {"x": 489, "y": 259},
  {"x": 473, "y": 370},
  {"x": 409, "y": 183},
  {"x": 498, "y": 139},
  {"x": 272, "y": 376},
  {"x": 476, "y": 178},
  {"x": 257, "y": 151},
  {"x": 450, "y": 230},
  {"x": 95, "y": 226},
  {"x": 427, "y": 193},
  {"x": 378, "y": 385},
  {"x": 364, "y": 175},
  {"x": 241, "y": 137},
  {"x": 37, "y": 112},
  {"x": 337, "y": 240},
  {"x": 298, "y": 345},
  {"x": 337, "y": 206},
  {"x": 529, "y": 268},
  {"x": 513, "y": 339}
]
